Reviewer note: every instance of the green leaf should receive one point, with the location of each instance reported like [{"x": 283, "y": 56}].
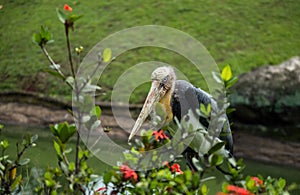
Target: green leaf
[
  {"x": 106, "y": 55},
  {"x": 1, "y": 127},
  {"x": 54, "y": 73},
  {"x": 48, "y": 175},
  {"x": 4, "y": 157},
  {"x": 43, "y": 37},
  {"x": 205, "y": 109},
  {"x": 63, "y": 131},
  {"x": 217, "y": 77},
  {"x": 24, "y": 161},
  {"x": 91, "y": 88},
  {"x": 85, "y": 118},
  {"x": 250, "y": 184},
  {"x": 36, "y": 38},
  {"x": 208, "y": 108},
  {"x": 281, "y": 183},
  {"x": 64, "y": 167},
  {"x": 215, "y": 160},
  {"x": 232, "y": 162},
  {"x": 2, "y": 167},
  {"x": 229, "y": 83},
  {"x": 4, "y": 144},
  {"x": 230, "y": 110},
  {"x": 61, "y": 16},
  {"x": 95, "y": 125},
  {"x": 292, "y": 187},
  {"x": 55, "y": 66},
  {"x": 48, "y": 179},
  {"x": 204, "y": 190},
  {"x": 96, "y": 111},
  {"x": 34, "y": 138},
  {"x": 71, "y": 166},
  {"x": 45, "y": 34},
  {"x": 57, "y": 149},
  {"x": 226, "y": 73},
  {"x": 67, "y": 151},
  {"x": 107, "y": 177},
  {"x": 73, "y": 18},
  {"x": 16, "y": 182},
  {"x": 66, "y": 132},
  {"x": 70, "y": 80},
  {"x": 80, "y": 154},
  {"x": 197, "y": 165},
  {"x": 216, "y": 147},
  {"x": 54, "y": 192},
  {"x": 53, "y": 129}
]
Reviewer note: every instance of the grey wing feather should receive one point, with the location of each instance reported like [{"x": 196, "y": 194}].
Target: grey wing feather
[{"x": 187, "y": 97}]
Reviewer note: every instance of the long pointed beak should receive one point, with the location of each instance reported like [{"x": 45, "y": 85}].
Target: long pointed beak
[{"x": 153, "y": 97}]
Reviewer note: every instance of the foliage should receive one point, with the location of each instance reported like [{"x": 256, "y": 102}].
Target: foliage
[
  {"x": 11, "y": 178},
  {"x": 67, "y": 177},
  {"x": 169, "y": 178},
  {"x": 71, "y": 176}
]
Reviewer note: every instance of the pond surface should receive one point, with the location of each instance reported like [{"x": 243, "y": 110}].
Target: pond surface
[{"x": 43, "y": 156}]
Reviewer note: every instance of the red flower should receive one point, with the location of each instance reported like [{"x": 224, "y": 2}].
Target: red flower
[
  {"x": 234, "y": 190},
  {"x": 160, "y": 135},
  {"x": 128, "y": 173},
  {"x": 258, "y": 182},
  {"x": 176, "y": 168},
  {"x": 68, "y": 8}
]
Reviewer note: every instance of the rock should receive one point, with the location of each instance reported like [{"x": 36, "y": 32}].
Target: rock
[{"x": 269, "y": 95}]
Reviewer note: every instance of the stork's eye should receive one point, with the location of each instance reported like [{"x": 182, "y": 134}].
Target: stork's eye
[{"x": 165, "y": 79}]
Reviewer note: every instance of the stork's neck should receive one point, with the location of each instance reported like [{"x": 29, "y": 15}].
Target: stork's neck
[{"x": 166, "y": 103}]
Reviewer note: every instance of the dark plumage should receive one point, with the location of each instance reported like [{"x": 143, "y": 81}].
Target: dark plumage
[
  {"x": 177, "y": 97},
  {"x": 186, "y": 97}
]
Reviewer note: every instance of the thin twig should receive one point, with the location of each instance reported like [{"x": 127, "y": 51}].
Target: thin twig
[
  {"x": 65, "y": 159},
  {"x": 69, "y": 48},
  {"x": 67, "y": 25},
  {"x": 91, "y": 76},
  {"x": 52, "y": 62}
]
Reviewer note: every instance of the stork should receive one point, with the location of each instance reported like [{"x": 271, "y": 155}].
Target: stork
[{"x": 177, "y": 97}]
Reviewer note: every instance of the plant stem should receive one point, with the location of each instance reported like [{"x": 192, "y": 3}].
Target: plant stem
[
  {"x": 52, "y": 62},
  {"x": 75, "y": 88},
  {"x": 67, "y": 25}
]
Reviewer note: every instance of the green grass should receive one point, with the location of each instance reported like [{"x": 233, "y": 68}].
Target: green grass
[{"x": 245, "y": 34}]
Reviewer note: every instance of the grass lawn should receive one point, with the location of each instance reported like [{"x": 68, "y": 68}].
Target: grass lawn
[{"x": 245, "y": 34}]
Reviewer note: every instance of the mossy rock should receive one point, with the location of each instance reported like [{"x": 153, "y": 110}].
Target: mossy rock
[{"x": 269, "y": 95}]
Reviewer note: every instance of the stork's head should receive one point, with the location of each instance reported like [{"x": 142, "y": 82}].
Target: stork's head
[{"x": 163, "y": 81}]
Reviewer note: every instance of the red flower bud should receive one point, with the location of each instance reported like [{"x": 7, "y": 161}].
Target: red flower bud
[
  {"x": 237, "y": 190},
  {"x": 160, "y": 135},
  {"x": 68, "y": 8},
  {"x": 128, "y": 173},
  {"x": 258, "y": 182},
  {"x": 176, "y": 168}
]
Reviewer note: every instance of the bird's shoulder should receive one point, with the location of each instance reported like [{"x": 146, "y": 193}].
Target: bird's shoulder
[{"x": 186, "y": 89}]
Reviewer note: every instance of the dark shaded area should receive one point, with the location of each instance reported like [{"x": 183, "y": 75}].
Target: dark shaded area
[{"x": 267, "y": 100}]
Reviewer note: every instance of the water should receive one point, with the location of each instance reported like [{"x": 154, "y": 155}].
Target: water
[{"x": 43, "y": 156}]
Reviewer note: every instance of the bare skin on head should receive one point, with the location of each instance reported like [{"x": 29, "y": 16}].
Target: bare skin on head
[{"x": 162, "y": 87}]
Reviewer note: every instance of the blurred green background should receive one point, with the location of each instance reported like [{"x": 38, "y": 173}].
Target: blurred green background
[{"x": 244, "y": 34}]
